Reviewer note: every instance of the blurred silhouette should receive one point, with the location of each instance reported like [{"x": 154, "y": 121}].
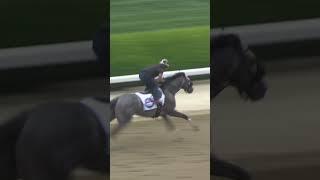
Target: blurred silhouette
[
  {"x": 101, "y": 48},
  {"x": 51, "y": 140},
  {"x": 234, "y": 64}
]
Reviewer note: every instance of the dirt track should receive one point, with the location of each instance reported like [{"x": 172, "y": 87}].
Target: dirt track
[{"x": 146, "y": 150}]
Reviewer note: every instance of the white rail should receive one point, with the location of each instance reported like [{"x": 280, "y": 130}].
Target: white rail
[{"x": 135, "y": 77}]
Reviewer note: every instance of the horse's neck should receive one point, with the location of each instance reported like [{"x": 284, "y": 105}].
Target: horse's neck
[
  {"x": 172, "y": 88},
  {"x": 170, "y": 99}
]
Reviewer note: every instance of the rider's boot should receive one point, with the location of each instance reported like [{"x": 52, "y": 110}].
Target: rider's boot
[{"x": 159, "y": 108}]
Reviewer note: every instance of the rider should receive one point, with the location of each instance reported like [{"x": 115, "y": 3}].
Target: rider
[{"x": 149, "y": 76}]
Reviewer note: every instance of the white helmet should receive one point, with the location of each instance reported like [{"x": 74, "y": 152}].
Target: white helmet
[{"x": 165, "y": 62}]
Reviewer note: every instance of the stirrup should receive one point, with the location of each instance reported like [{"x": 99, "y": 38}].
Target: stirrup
[{"x": 158, "y": 110}]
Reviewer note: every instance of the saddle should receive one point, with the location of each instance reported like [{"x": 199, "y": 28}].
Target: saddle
[{"x": 147, "y": 100}]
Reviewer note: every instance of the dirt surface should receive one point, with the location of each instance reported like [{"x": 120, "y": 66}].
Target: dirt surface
[{"x": 145, "y": 150}]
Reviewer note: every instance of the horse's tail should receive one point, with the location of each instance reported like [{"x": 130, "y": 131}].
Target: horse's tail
[
  {"x": 113, "y": 106},
  {"x": 9, "y": 134}
]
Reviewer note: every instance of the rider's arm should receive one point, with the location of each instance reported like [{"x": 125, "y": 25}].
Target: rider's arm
[{"x": 160, "y": 77}]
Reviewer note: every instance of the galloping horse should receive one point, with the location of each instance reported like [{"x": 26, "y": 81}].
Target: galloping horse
[
  {"x": 234, "y": 64},
  {"x": 125, "y": 106}
]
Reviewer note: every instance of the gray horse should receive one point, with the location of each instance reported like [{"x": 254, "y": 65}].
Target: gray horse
[{"x": 127, "y": 105}]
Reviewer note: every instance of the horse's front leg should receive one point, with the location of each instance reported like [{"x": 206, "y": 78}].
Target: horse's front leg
[
  {"x": 168, "y": 122},
  {"x": 178, "y": 114}
]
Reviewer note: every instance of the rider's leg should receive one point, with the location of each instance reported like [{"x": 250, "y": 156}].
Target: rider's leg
[
  {"x": 147, "y": 81},
  {"x": 155, "y": 91},
  {"x": 170, "y": 126},
  {"x": 143, "y": 79},
  {"x": 152, "y": 85},
  {"x": 156, "y": 96}
]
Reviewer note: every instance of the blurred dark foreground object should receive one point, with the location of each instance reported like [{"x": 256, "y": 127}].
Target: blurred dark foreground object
[
  {"x": 52, "y": 140},
  {"x": 234, "y": 64},
  {"x": 100, "y": 47},
  {"x": 228, "y": 170}
]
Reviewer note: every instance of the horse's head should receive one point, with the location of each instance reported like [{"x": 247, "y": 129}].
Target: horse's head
[
  {"x": 187, "y": 85},
  {"x": 178, "y": 81},
  {"x": 249, "y": 78},
  {"x": 248, "y": 73}
]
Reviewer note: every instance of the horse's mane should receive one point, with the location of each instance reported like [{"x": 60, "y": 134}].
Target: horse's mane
[
  {"x": 171, "y": 78},
  {"x": 226, "y": 40}
]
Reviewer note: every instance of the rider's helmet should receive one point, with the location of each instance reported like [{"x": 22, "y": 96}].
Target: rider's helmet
[{"x": 165, "y": 62}]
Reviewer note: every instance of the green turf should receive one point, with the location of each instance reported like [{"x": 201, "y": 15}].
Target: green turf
[
  {"x": 148, "y": 15},
  {"x": 183, "y": 47},
  {"x": 231, "y": 12},
  {"x": 144, "y": 31}
]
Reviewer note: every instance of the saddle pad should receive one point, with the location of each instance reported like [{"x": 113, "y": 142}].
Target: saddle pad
[
  {"x": 101, "y": 110},
  {"x": 148, "y": 101}
]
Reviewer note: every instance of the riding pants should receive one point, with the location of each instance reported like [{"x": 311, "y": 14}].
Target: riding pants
[{"x": 150, "y": 83}]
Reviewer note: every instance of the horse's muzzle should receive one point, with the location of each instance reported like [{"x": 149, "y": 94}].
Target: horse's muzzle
[
  {"x": 189, "y": 90},
  {"x": 258, "y": 91}
]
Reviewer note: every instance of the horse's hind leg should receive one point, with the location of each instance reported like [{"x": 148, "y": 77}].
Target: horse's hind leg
[
  {"x": 115, "y": 131},
  {"x": 168, "y": 123},
  {"x": 123, "y": 120}
]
